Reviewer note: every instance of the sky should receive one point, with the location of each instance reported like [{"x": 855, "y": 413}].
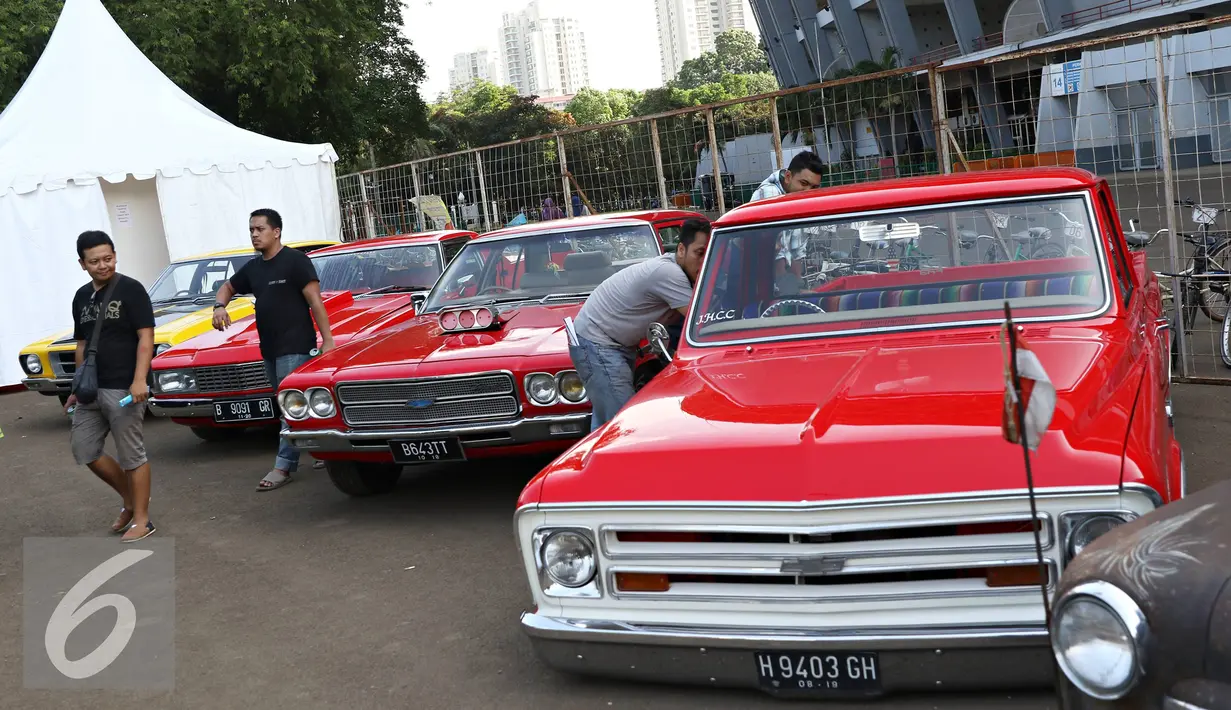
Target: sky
[{"x": 621, "y": 36}]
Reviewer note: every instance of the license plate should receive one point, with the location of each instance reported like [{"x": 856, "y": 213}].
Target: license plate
[
  {"x": 855, "y": 672},
  {"x": 244, "y": 410},
  {"x": 412, "y": 451}
]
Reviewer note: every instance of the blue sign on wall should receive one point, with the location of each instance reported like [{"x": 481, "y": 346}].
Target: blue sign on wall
[{"x": 1065, "y": 78}]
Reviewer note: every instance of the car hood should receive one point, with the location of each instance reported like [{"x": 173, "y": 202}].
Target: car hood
[
  {"x": 420, "y": 345},
  {"x": 169, "y": 318},
  {"x": 836, "y": 422},
  {"x": 349, "y": 317}
]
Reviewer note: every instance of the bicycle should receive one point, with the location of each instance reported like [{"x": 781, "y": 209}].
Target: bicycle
[{"x": 1211, "y": 255}]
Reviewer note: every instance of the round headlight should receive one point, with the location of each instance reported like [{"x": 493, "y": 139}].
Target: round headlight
[
  {"x": 320, "y": 401},
  {"x": 571, "y": 387},
  {"x": 161, "y": 348},
  {"x": 294, "y": 404},
  {"x": 1098, "y": 633},
  {"x": 568, "y": 558},
  {"x": 33, "y": 365},
  {"x": 1089, "y": 530},
  {"x": 541, "y": 388}
]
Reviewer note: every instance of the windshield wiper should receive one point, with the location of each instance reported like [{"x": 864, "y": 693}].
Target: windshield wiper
[
  {"x": 394, "y": 289},
  {"x": 562, "y": 297}
]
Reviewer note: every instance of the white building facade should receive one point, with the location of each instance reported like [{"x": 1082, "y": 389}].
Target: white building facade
[
  {"x": 542, "y": 56},
  {"x": 687, "y": 29},
  {"x": 469, "y": 67}
]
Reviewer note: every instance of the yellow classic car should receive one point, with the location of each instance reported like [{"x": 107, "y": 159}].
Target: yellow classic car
[{"x": 183, "y": 300}]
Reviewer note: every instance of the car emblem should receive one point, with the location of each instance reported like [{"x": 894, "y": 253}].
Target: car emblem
[
  {"x": 813, "y": 565},
  {"x": 420, "y": 403}
]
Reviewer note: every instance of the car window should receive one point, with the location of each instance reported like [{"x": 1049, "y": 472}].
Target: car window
[
  {"x": 670, "y": 237},
  {"x": 396, "y": 268},
  {"x": 1123, "y": 280},
  {"x": 536, "y": 265},
  {"x": 902, "y": 268},
  {"x": 452, "y": 247},
  {"x": 195, "y": 280}
]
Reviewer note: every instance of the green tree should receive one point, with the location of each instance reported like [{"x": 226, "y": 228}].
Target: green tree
[
  {"x": 735, "y": 52},
  {"x": 337, "y": 71}
]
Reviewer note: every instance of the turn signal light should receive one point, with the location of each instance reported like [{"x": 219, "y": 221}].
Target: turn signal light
[
  {"x": 1020, "y": 576},
  {"x": 467, "y": 319},
  {"x": 641, "y": 582}
]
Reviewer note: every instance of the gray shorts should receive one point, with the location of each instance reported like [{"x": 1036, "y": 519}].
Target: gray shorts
[{"x": 92, "y": 423}]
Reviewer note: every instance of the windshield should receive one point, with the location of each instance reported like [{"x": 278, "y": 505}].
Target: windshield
[
  {"x": 901, "y": 269},
  {"x": 397, "y": 268},
  {"x": 536, "y": 266},
  {"x": 199, "y": 279}
]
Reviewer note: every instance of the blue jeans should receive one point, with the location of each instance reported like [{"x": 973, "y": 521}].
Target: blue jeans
[
  {"x": 607, "y": 372},
  {"x": 277, "y": 370}
]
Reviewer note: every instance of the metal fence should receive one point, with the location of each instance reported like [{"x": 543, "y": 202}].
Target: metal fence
[{"x": 1149, "y": 110}]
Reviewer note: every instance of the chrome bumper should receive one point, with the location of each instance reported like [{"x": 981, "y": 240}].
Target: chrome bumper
[
  {"x": 200, "y": 408},
  {"x": 937, "y": 659},
  {"x": 508, "y": 433},
  {"x": 49, "y": 386}
]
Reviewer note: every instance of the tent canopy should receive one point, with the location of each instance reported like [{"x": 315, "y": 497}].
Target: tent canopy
[{"x": 96, "y": 107}]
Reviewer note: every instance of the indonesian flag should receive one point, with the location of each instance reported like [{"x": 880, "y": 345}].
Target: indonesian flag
[{"x": 1037, "y": 391}]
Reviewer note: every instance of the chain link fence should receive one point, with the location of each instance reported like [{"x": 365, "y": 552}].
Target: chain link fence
[{"x": 1148, "y": 110}]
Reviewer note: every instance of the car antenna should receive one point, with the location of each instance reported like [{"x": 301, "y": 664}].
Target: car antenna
[{"x": 1017, "y": 433}]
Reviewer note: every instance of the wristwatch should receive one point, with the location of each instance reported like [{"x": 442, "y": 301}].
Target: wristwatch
[{"x": 220, "y": 305}]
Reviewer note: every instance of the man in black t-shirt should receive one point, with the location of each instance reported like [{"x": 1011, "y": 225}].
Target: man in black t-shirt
[
  {"x": 125, "y": 348},
  {"x": 288, "y": 296}
]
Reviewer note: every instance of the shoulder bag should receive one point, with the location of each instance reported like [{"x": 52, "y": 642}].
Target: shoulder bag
[{"x": 85, "y": 379}]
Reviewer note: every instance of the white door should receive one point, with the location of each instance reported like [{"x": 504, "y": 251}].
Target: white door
[{"x": 1136, "y": 138}]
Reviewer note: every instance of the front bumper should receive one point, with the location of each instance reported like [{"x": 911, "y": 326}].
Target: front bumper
[
  {"x": 936, "y": 659},
  {"x": 531, "y": 430},
  {"x": 48, "y": 385},
  {"x": 203, "y": 408}
]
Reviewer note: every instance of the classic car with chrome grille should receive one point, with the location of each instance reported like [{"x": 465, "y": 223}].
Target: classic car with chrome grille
[
  {"x": 182, "y": 296},
  {"x": 216, "y": 383},
  {"x": 814, "y": 498},
  {"x": 482, "y": 371},
  {"x": 1143, "y": 617}
]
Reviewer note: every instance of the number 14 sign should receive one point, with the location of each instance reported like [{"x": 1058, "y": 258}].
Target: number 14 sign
[{"x": 1065, "y": 78}]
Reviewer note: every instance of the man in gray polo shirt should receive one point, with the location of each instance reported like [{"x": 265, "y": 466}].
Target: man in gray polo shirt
[{"x": 613, "y": 320}]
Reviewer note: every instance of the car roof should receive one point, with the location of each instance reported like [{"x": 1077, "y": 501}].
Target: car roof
[
  {"x": 396, "y": 240},
  {"x": 240, "y": 251},
  {"x": 912, "y": 192},
  {"x": 653, "y": 215},
  {"x": 563, "y": 225}
]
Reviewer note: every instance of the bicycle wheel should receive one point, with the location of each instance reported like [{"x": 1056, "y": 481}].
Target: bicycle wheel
[
  {"x": 1048, "y": 251},
  {"x": 1214, "y": 302},
  {"x": 1225, "y": 349}
]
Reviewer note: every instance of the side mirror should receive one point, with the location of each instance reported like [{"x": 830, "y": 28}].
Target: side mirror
[
  {"x": 660, "y": 340},
  {"x": 417, "y": 300}
]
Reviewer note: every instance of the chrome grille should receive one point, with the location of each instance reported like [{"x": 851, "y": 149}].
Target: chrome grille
[
  {"x": 64, "y": 363},
  {"x": 232, "y": 378},
  {"x": 444, "y": 400}
]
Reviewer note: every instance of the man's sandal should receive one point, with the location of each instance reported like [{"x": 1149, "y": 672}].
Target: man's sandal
[
  {"x": 123, "y": 522},
  {"x": 273, "y": 479},
  {"x": 149, "y": 530}
]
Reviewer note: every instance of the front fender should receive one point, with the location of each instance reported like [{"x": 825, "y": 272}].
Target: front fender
[{"x": 1149, "y": 451}]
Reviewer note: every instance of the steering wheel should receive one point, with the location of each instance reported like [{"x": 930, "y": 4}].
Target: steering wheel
[
  {"x": 790, "y": 301},
  {"x": 495, "y": 289}
]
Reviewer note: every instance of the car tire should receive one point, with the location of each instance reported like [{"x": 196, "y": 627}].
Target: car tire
[
  {"x": 215, "y": 434},
  {"x": 359, "y": 480}
]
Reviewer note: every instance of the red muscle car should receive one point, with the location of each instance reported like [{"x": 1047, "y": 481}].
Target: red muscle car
[
  {"x": 216, "y": 384},
  {"x": 483, "y": 370},
  {"x": 815, "y": 497}
]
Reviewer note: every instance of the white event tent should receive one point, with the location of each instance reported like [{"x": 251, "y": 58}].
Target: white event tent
[{"x": 99, "y": 138}]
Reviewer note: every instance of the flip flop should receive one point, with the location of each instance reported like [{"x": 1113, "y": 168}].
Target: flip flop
[
  {"x": 274, "y": 482},
  {"x": 118, "y": 529},
  {"x": 149, "y": 530}
]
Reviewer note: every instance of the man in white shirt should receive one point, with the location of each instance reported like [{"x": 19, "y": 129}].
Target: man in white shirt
[{"x": 804, "y": 172}]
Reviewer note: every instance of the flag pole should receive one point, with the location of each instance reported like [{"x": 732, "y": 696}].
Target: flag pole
[{"x": 1019, "y": 412}]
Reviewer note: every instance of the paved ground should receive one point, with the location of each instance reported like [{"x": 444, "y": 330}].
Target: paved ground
[{"x": 301, "y": 597}]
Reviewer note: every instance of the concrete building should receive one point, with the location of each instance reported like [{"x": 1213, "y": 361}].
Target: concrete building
[
  {"x": 542, "y": 56},
  {"x": 687, "y": 28},
  {"x": 469, "y": 67},
  {"x": 1010, "y": 107}
]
